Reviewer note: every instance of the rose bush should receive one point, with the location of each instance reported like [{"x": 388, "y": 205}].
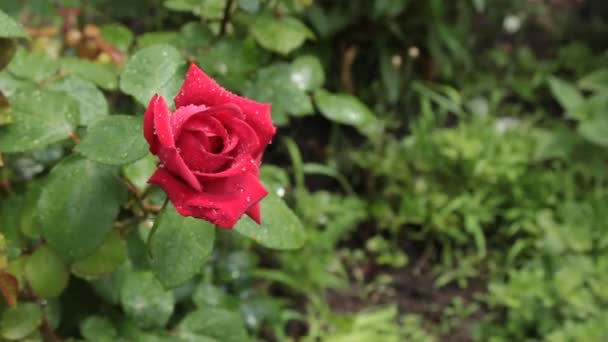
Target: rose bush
[{"x": 210, "y": 149}]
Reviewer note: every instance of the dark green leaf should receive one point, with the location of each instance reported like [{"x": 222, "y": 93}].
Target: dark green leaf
[
  {"x": 115, "y": 140},
  {"x": 307, "y": 73},
  {"x": 595, "y": 129},
  {"x": 145, "y": 300},
  {"x": 97, "y": 328},
  {"x": 40, "y": 117},
  {"x": 46, "y": 274},
  {"x": 103, "y": 75},
  {"x": 251, "y": 6},
  {"x": 595, "y": 81},
  {"x": 180, "y": 247},
  {"x": 90, "y": 99},
  {"x": 110, "y": 255},
  {"x": 275, "y": 84},
  {"x": 139, "y": 172},
  {"x": 157, "y": 69},
  {"x": 346, "y": 109},
  {"x": 21, "y": 321},
  {"x": 568, "y": 97},
  {"x": 213, "y": 324},
  {"x": 118, "y": 35},
  {"x": 153, "y": 38},
  {"x": 9, "y": 28},
  {"x": 81, "y": 199},
  {"x": 281, "y": 35},
  {"x": 35, "y": 66},
  {"x": 280, "y": 228}
]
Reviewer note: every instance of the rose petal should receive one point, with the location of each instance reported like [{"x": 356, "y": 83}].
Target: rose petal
[
  {"x": 182, "y": 115},
  {"x": 176, "y": 165},
  {"x": 162, "y": 123},
  {"x": 196, "y": 156},
  {"x": 255, "y": 213},
  {"x": 249, "y": 142},
  {"x": 209, "y": 126},
  {"x": 232, "y": 197},
  {"x": 240, "y": 165},
  {"x": 200, "y": 89},
  {"x": 222, "y": 208},
  {"x": 149, "y": 133},
  {"x": 177, "y": 191}
]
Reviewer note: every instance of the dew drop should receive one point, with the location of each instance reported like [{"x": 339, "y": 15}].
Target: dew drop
[
  {"x": 281, "y": 192},
  {"x": 248, "y": 199}
]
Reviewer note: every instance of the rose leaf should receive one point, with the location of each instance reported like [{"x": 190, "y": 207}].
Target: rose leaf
[
  {"x": 179, "y": 247},
  {"x": 280, "y": 228},
  {"x": 114, "y": 140}
]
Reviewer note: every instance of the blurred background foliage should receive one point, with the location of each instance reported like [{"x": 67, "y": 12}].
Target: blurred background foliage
[{"x": 448, "y": 159}]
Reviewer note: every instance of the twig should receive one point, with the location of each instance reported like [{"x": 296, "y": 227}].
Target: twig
[
  {"x": 225, "y": 17},
  {"x": 75, "y": 138},
  {"x": 347, "y": 68}
]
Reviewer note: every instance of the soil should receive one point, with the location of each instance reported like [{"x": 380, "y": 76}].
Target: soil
[{"x": 415, "y": 293}]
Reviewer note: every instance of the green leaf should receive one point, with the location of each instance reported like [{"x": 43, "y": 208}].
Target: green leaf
[
  {"x": 195, "y": 37},
  {"x": 40, "y": 117},
  {"x": 213, "y": 324},
  {"x": 78, "y": 205},
  {"x": 29, "y": 224},
  {"x": 118, "y": 35},
  {"x": 595, "y": 129},
  {"x": 157, "y": 69},
  {"x": 347, "y": 109},
  {"x": 273, "y": 84},
  {"x": 568, "y": 97},
  {"x": 110, "y": 255},
  {"x": 595, "y": 81},
  {"x": 21, "y": 321},
  {"x": 46, "y": 274},
  {"x": 281, "y": 35},
  {"x": 307, "y": 73},
  {"x": 232, "y": 57},
  {"x": 91, "y": 101},
  {"x": 35, "y": 66},
  {"x": 139, "y": 172},
  {"x": 179, "y": 247},
  {"x": 115, "y": 140},
  {"x": 97, "y": 328},
  {"x": 250, "y": 6},
  {"x": 145, "y": 300},
  {"x": 280, "y": 228},
  {"x": 205, "y": 9},
  {"x": 153, "y": 38},
  {"x": 9, "y": 28},
  {"x": 103, "y": 75}
]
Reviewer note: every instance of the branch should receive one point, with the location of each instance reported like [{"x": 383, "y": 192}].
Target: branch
[{"x": 225, "y": 17}]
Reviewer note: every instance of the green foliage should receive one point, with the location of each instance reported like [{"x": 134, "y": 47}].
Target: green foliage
[
  {"x": 114, "y": 140},
  {"x": 158, "y": 69},
  {"x": 179, "y": 247},
  {"x": 445, "y": 156}
]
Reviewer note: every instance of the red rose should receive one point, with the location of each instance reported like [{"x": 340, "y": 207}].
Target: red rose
[{"x": 210, "y": 149}]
